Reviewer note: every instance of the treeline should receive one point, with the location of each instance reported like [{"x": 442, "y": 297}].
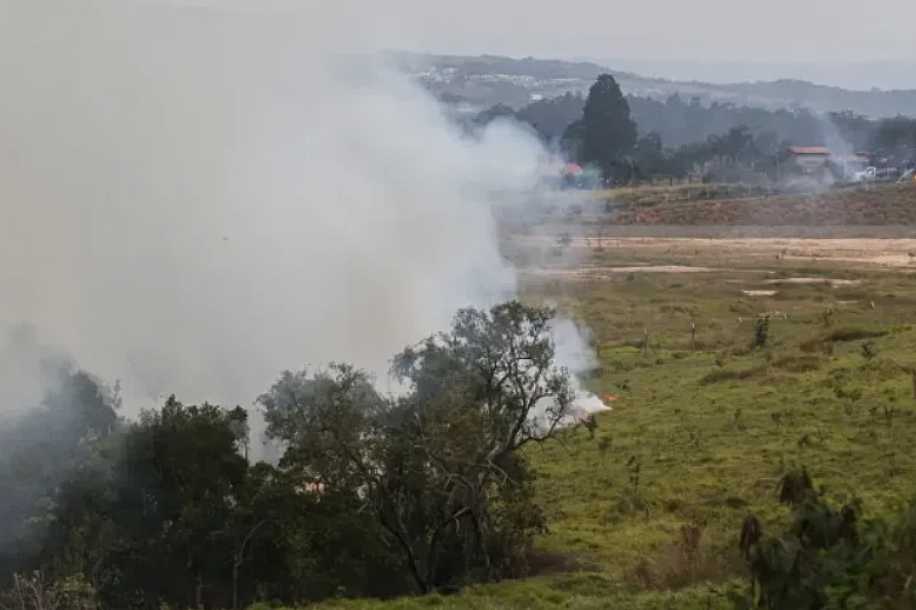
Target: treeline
[
  {"x": 673, "y": 137},
  {"x": 606, "y": 137},
  {"x": 375, "y": 495},
  {"x": 680, "y": 122}
]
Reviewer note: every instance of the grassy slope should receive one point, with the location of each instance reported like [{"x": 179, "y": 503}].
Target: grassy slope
[
  {"x": 871, "y": 205},
  {"x": 711, "y": 451}
]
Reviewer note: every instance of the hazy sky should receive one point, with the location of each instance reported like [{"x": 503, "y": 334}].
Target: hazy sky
[
  {"x": 720, "y": 40},
  {"x": 775, "y": 30}
]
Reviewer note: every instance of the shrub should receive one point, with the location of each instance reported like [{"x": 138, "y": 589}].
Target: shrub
[
  {"x": 842, "y": 335},
  {"x": 684, "y": 561},
  {"x": 795, "y": 487},
  {"x": 35, "y": 592},
  {"x": 761, "y": 332},
  {"x": 829, "y": 557}
]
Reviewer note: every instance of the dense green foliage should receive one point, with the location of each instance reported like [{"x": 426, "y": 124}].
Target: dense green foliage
[
  {"x": 439, "y": 467},
  {"x": 829, "y": 557},
  {"x": 605, "y": 135},
  {"x": 374, "y": 495},
  {"x": 41, "y": 450}
]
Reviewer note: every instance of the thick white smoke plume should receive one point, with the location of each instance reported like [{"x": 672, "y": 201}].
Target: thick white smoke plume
[
  {"x": 193, "y": 200},
  {"x": 573, "y": 350}
]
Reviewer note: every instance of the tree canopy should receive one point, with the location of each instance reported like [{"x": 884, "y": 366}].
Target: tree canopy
[
  {"x": 438, "y": 466},
  {"x": 374, "y": 495},
  {"x": 609, "y": 132}
]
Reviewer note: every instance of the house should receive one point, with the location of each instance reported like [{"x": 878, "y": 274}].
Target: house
[
  {"x": 810, "y": 159},
  {"x": 852, "y": 165},
  {"x": 572, "y": 171}
]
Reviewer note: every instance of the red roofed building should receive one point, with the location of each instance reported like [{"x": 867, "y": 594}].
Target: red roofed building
[{"x": 573, "y": 170}]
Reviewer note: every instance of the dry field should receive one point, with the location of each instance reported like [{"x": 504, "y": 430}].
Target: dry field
[{"x": 584, "y": 254}]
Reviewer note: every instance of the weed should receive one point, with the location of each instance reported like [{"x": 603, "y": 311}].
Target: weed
[
  {"x": 795, "y": 487},
  {"x": 761, "y": 332},
  {"x": 686, "y": 559},
  {"x": 604, "y": 444},
  {"x": 738, "y": 421},
  {"x": 634, "y": 466}
]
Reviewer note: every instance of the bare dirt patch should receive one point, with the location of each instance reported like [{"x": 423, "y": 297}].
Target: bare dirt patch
[
  {"x": 759, "y": 293},
  {"x": 695, "y": 253},
  {"x": 814, "y": 280},
  {"x": 591, "y": 273}
]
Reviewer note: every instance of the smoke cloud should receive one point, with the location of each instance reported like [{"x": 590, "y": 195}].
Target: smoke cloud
[{"x": 192, "y": 200}]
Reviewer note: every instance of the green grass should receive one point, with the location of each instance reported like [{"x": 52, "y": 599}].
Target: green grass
[
  {"x": 579, "y": 591},
  {"x": 711, "y": 430},
  {"x": 715, "y": 429}
]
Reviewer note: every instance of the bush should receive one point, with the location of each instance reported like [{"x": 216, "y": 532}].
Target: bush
[
  {"x": 35, "y": 592},
  {"x": 842, "y": 335},
  {"x": 761, "y": 332},
  {"x": 684, "y": 561},
  {"x": 829, "y": 557}
]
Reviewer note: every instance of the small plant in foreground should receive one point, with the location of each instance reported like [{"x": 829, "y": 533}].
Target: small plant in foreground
[
  {"x": 634, "y": 465},
  {"x": 761, "y": 332},
  {"x": 795, "y": 487}
]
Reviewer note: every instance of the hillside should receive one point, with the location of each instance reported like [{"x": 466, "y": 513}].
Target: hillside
[
  {"x": 487, "y": 80},
  {"x": 710, "y": 205}
]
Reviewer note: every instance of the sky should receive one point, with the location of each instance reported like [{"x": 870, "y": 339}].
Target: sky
[
  {"x": 716, "y": 30},
  {"x": 776, "y": 30},
  {"x": 842, "y": 42}
]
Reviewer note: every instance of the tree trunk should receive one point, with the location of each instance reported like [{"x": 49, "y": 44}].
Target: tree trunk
[
  {"x": 412, "y": 562},
  {"x": 235, "y": 585}
]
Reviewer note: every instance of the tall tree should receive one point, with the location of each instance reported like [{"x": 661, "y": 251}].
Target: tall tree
[
  {"x": 609, "y": 132},
  {"x": 439, "y": 466}
]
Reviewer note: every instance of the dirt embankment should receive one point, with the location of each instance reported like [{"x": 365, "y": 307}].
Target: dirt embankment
[{"x": 884, "y": 205}]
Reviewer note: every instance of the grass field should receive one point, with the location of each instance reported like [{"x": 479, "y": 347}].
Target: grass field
[{"x": 645, "y": 514}]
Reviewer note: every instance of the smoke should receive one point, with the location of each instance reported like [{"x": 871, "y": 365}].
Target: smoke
[
  {"x": 27, "y": 369},
  {"x": 50, "y": 407},
  {"x": 575, "y": 352},
  {"x": 193, "y": 200}
]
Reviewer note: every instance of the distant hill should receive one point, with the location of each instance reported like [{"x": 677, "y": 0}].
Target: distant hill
[{"x": 487, "y": 80}]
